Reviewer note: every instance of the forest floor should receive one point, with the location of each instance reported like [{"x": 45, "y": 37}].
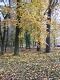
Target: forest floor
[{"x": 30, "y": 65}]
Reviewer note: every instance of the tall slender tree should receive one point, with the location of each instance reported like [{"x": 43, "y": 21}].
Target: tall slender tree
[
  {"x": 16, "y": 49},
  {"x": 2, "y": 37},
  {"x": 48, "y": 27},
  {"x": 7, "y": 31},
  {"x": 52, "y": 4}
]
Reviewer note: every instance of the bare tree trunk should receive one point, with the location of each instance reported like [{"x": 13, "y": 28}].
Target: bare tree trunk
[
  {"x": 6, "y": 43},
  {"x": 48, "y": 28},
  {"x": 2, "y": 37},
  {"x": 16, "y": 49},
  {"x": 27, "y": 39},
  {"x": 3, "y": 41}
]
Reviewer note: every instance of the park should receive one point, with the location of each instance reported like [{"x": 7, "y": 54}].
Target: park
[{"x": 29, "y": 39}]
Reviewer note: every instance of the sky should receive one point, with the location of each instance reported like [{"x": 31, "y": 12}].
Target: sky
[{"x": 1, "y": 16}]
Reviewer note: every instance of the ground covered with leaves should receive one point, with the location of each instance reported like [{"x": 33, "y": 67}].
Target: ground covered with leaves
[{"x": 30, "y": 66}]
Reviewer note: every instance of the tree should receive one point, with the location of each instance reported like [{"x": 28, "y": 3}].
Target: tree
[
  {"x": 30, "y": 20},
  {"x": 31, "y": 15},
  {"x": 52, "y": 4},
  {"x": 7, "y": 31},
  {"x": 3, "y": 34},
  {"x": 27, "y": 39},
  {"x": 16, "y": 49},
  {"x": 48, "y": 28}
]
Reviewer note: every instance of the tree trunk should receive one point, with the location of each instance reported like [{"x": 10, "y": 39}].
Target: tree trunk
[
  {"x": 21, "y": 43},
  {"x": 16, "y": 50},
  {"x": 6, "y": 43},
  {"x": 48, "y": 30},
  {"x": 2, "y": 37},
  {"x": 38, "y": 46},
  {"x": 27, "y": 38},
  {"x": 3, "y": 41},
  {"x": 2, "y": 47}
]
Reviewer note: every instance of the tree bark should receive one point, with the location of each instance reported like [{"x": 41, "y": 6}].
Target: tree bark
[
  {"x": 16, "y": 50},
  {"x": 38, "y": 46},
  {"x": 2, "y": 37},
  {"x": 3, "y": 42},
  {"x": 27, "y": 39},
  {"x": 48, "y": 28},
  {"x": 6, "y": 43}
]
